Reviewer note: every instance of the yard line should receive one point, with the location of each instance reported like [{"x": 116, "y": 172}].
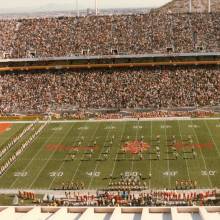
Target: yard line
[
  {"x": 187, "y": 167},
  {"x": 151, "y": 136},
  {"x": 18, "y": 143},
  {"x": 210, "y": 182},
  {"x": 6, "y": 139},
  {"x": 114, "y": 164},
  {"x": 51, "y": 155},
  {"x": 13, "y": 183},
  {"x": 136, "y": 135},
  {"x": 213, "y": 140},
  {"x": 168, "y": 162},
  {"x": 91, "y": 138},
  {"x": 97, "y": 163},
  {"x": 63, "y": 162}
]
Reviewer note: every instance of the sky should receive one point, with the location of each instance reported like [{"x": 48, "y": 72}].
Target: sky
[{"x": 35, "y": 4}]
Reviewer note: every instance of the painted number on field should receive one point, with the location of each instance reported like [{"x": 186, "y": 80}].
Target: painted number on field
[
  {"x": 93, "y": 174},
  {"x": 20, "y": 174},
  {"x": 83, "y": 128},
  {"x": 137, "y": 126},
  {"x": 57, "y": 129},
  {"x": 127, "y": 174},
  {"x": 165, "y": 126},
  {"x": 55, "y": 174},
  {"x": 208, "y": 172},
  {"x": 109, "y": 127},
  {"x": 170, "y": 173},
  {"x": 193, "y": 126}
]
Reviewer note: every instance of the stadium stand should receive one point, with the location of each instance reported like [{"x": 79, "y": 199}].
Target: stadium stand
[
  {"x": 43, "y": 91},
  {"x": 159, "y": 88},
  {"x": 154, "y": 32}
]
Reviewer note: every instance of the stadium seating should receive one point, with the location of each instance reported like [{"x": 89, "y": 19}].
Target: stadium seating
[
  {"x": 109, "y": 35},
  {"x": 44, "y": 91}
]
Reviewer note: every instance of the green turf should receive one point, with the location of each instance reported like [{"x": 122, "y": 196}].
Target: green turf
[{"x": 36, "y": 165}]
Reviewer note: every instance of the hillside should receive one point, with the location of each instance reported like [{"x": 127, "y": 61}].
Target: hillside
[{"x": 182, "y": 6}]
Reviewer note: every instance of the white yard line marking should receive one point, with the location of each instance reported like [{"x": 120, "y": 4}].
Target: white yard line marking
[
  {"x": 210, "y": 182},
  {"x": 51, "y": 155},
  {"x": 27, "y": 166},
  {"x": 63, "y": 162},
  {"x": 114, "y": 164},
  {"x": 187, "y": 167},
  {"x": 91, "y": 139},
  {"x": 136, "y": 136},
  {"x": 26, "y": 135},
  {"x": 168, "y": 162},
  {"x": 98, "y": 162},
  {"x": 213, "y": 140},
  {"x": 151, "y": 136},
  {"x": 6, "y": 139}
]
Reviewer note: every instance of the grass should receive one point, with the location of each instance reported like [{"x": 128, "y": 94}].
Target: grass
[{"x": 42, "y": 168}]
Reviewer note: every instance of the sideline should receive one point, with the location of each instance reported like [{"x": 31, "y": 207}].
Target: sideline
[
  {"x": 116, "y": 120},
  {"x": 94, "y": 192}
]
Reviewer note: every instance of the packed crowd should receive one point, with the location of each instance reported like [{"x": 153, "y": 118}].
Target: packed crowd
[
  {"x": 6, "y": 164},
  {"x": 115, "y": 34},
  {"x": 66, "y": 90},
  {"x": 126, "y": 198},
  {"x": 164, "y": 114}
]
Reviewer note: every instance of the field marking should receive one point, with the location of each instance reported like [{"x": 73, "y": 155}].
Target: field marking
[
  {"x": 91, "y": 138},
  {"x": 55, "y": 173},
  {"x": 136, "y": 136},
  {"x": 210, "y": 182},
  {"x": 83, "y": 128},
  {"x": 151, "y": 136},
  {"x": 63, "y": 162},
  {"x": 109, "y": 127},
  {"x": 137, "y": 126},
  {"x": 48, "y": 159},
  {"x": 27, "y": 166},
  {"x": 57, "y": 129},
  {"x": 115, "y": 161},
  {"x": 165, "y": 126},
  {"x": 213, "y": 140},
  {"x": 20, "y": 174},
  {"x": 187, "y": 167},
  {"x": 168, "y": 162},
  {"x": 32, "y": 159},
  {"x": 193, "y": 126},
  {"x": 119, "y": 120},
  {"x": 208, "y": 172},
  {"x": 98, "y": 162},
  {"x": 19, "y": 131},
  {"x": 170, "y": 173}
]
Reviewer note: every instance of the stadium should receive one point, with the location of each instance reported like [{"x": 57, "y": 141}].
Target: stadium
[{"x": 108, "y": 116}]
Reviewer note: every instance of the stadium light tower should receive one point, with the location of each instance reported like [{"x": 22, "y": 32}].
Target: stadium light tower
[
  {"x": 209, "y": 6},
  {"x": 96, "y": 7},
  {"x": 190, "y": 6},
  {"x": 77, "y": 7}
]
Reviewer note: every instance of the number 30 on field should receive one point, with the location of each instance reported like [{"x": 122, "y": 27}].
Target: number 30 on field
[{"x": 55, "y": 174}]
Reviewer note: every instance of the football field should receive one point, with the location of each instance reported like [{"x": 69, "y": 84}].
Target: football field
[{"x": 96, "y": 152}]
